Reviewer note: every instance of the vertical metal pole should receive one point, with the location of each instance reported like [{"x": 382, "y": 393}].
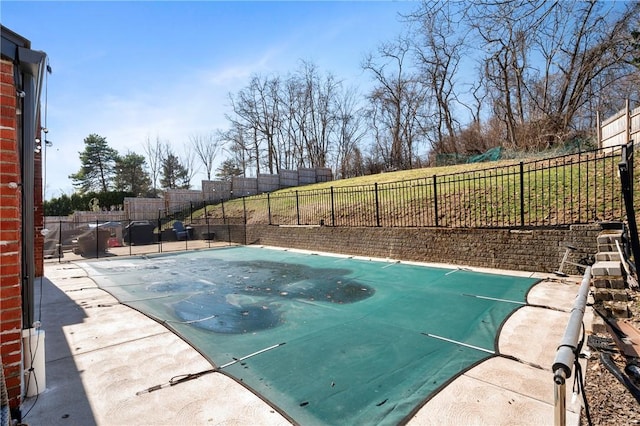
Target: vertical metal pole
[
  {"x": 333, "y": 209},
  {"x": 631, "y": 161},
  {"x": 435, "y": 199},
  {"x": 297, "y": 207},
  {"x": 191, "y": 211},
  {"x": 269, "y": 207},
  {"x": 375, "y": 187},
  {"x": 579, "y": 187},
  {"x": 159, "y": 233},
  {"x": 97, "y": 241},
  {"x": 599, "y": 127},
  {"x": 560, "y": 403},
  {"x": 244, "y": 207},
  {"x": 129, "y": 228},
  {"x": 60, "y": 243},
  {"x": 521, "y": 194},
  {"x": 224, "y": 217},
  {"x": 206, "y": 217},
  {"x": 627, "y": 193}
]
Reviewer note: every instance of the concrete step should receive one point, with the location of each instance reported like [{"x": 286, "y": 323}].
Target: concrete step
[
  {"x": 603, "y": 268},
  {"x": 610, "y": 225},
  {"x": 609, "y": 237},
  {"x": 608, "y": 256},
  {"x": 602, "y": 248},
  {"x": 607, "y": 294},
  {"x": 616, "y": 283}
]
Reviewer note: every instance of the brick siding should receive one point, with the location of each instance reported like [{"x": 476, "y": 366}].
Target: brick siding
[{"x": 10, "y": 239}]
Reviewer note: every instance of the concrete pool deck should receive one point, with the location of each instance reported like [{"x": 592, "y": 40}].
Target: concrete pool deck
[{"x": 100, "y": 353}]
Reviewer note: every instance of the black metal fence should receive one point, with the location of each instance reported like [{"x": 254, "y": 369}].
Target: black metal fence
[
  {"x": 627, "y": 181},
  {"x": 569, "y": 189},
  {"x": 97, "y": 239}
]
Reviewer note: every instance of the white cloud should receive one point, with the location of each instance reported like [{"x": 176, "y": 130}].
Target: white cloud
[{"x": 195, "y": 104}]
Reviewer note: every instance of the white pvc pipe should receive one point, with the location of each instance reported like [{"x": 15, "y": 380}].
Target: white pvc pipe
[{"x": 34, "y": 361}]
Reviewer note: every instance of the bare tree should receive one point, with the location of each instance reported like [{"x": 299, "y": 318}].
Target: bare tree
[
  {"x": 291, "y": 147},
  {"x": 154, "y": 151},
  {"x": 439, "y": 48},
  {"x": 206, "y": 147},
  {"x": 316, "y": 124},
  {"x": 188, "y": 159},
  {"x": 237, "y": 146},
  {"x": 350, "y": 130},
  {"x": 256, "y": 108},
  {"x": 581, "y": 48},
  {"x": 397, "y": 102}
]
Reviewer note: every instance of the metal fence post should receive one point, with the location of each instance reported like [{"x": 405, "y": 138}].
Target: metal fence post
[
  {"x": 159, "y": 233},
  {"x": 333, "y": 210},
  {"x": 435, "y": 200},
  {"x": 269, "y": 207},
  {"x": 224, "y": 217},
  {"x": 297, "y": 207},
  {"x": 521, "y": 194},
  {"x": 60, "y": 242},
  {"x": 244, "y": 208},
  {"x": 191, "y": 211},
  {"x": 625, "y": 168},
  {"x": 97, "y": 241},
  {"x": 206, "y": 218},
  {"x": 375, "y": 188}
]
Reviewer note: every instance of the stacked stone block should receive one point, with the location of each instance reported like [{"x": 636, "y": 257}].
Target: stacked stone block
[{"x": 608, "y": 276}]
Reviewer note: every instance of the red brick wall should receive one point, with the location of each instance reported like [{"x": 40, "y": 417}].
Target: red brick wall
[{"x": 10, "y": 243}]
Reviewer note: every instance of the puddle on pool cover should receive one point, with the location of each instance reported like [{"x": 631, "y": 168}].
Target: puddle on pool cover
[{"x": 246, "y": 296}]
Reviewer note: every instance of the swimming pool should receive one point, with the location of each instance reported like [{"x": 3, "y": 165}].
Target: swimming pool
[{"x": 324, "y": 339}]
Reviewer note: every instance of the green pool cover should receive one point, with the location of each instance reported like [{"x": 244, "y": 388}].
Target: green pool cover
[{"x": 327, "y": 340}]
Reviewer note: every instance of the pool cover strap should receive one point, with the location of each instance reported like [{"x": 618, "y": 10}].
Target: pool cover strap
[{"x": 185, "y": 378}]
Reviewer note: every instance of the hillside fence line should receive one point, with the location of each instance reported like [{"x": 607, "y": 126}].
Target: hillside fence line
[{"x": 561, "y": 191}]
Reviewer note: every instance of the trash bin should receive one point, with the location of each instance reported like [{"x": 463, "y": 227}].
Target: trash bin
[{"x": 139, "y": 233}]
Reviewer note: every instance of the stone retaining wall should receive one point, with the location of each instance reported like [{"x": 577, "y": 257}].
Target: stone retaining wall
[{"x": 536, "y": 250}]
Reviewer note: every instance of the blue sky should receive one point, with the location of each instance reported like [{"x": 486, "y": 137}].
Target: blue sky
[{"x": 132, "y": 70}]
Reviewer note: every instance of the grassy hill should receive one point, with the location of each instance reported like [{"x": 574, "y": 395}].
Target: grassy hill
[{"x": 577, "y": 188}]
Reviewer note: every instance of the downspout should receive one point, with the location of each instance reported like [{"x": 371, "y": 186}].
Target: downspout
[{"x": 31, "y": 66}]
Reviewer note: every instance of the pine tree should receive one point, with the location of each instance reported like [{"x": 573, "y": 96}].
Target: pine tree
[
  {"x": 227, "y": 170},
  {"x": 98, "y": 165},
  {"x": 131, "y": 175},
  {"x": 174, "y": 174}
]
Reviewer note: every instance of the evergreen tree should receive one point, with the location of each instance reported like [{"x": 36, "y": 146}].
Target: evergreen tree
[
  {"x": 131, "y": 175},
  {"x": 228, "y": 169},
  {"x": 60, "y": 206},
  {"x": 174, "y": 174},
  {"x": 98, "y": 165}
]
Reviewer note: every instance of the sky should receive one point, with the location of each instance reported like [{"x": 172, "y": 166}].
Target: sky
[{"x": 129, "y": 71}]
